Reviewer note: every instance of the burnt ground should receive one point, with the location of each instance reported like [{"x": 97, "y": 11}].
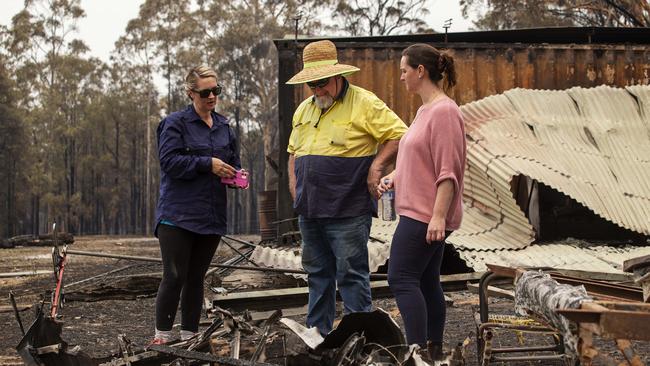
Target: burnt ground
[{"x": 95, "y": 325}]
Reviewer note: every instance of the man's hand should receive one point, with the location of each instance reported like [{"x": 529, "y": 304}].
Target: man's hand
[
  {"x": 373, "y": 181},
  {"x": 222, "y": 169},
  {"x": 385, "y": 156}
]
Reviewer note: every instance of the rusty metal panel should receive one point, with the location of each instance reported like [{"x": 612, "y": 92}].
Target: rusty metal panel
[{"x": 485, "y": 70}]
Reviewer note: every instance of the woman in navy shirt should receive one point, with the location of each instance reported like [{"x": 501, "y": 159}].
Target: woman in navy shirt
[{"x": 196, "y": 148}]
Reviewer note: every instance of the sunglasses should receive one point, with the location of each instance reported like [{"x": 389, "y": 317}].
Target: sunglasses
[
  {"x": 204, "y": 93},
  {"x": 318, "y": 83}
]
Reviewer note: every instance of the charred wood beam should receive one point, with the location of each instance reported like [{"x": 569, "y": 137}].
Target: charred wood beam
[
  {"x": 37, "y": 240},
  {"x": 261, "y": 344},
  {"x": 613, "y": 320},
  {"x": 600, "y": 289},
  {"x": 10, "y": 308},
  {"x": 202, "y": 339},
  {"x": 298, "y": 296},
  {"x": 631, "y": 264},
  {"x": 640, "y": 266},
  {"x": 25, "y": 273},
  {"x": 126, "y": 288},
  {"x": 200, "y": 356},
  {"x": 148, "y": 357}
]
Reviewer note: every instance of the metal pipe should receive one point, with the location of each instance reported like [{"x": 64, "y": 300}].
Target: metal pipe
[
  {"x": 282, "y": 221},
  {"x": 97, "y": 276},
  {"x": 231, "y": 261},
  {"x": 525, "y": 349},
  {"x": 240, "y": 253},
  {"x": 239, "y": 241},
  {"x": 528, "y": 358},
  {"x": 486, "y": 278},
  {"x": 16, "y": 313},
  {"x": 375, "y": 276},
  {"x": 523, "y": 328}
]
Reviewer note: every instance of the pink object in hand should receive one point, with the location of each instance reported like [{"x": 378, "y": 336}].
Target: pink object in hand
[{"x": 240, "y": 180}]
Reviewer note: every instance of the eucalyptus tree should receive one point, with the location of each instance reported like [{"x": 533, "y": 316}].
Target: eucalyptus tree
[
  {"x": 13, "y": 143},
  {"x": 511, "y": 14},
  {"x": 136, "y": 59},
  {"x": 165, "y": 27},
  {"x": 381, "y": 17},
  {"x": 59, "y": 82},
  {"x": 237, "y": 38}
]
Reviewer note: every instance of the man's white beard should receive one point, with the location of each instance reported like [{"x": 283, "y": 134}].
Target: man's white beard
[{"x": 324, "y": 102}]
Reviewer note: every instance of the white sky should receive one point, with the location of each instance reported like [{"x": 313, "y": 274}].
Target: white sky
[{"x": 106, "y": 20}]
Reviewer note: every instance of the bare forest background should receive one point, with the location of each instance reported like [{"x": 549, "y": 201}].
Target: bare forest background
[{"x": 77, "y": 135}]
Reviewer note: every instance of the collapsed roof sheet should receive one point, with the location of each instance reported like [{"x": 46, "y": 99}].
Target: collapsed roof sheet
[
  {"x": 560, "y": 255},
  {"x": 565, "y": 254},
  {"x": 591, "y": 144}
]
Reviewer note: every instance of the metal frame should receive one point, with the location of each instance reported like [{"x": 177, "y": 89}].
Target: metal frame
[{"x": 485, "y": 332}]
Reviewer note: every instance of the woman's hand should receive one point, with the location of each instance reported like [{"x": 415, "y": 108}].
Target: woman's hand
[
  {"x": 222, "y": 169},
  {"x": 436, "y": 230},
  {"x": 385, "y": 183}
]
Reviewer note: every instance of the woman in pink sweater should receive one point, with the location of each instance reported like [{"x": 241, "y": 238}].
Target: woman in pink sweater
[{"x": 428, "y": 183}]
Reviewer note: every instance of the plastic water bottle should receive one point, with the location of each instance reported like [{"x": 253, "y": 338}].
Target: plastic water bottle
[{"x": 387, "y": 202}]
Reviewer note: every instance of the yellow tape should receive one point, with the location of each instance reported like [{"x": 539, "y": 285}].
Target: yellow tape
[{"x": 320, "y": 63}]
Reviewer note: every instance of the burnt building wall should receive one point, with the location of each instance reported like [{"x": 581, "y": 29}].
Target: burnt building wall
[{"x": 487, "y": 63}]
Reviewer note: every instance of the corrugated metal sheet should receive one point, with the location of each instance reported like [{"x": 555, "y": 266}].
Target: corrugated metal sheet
[
  {"x": 566, "y": 254},
  {"x": 381, "y": 235},
  {"x": 591, "y": 144},
  {"x": 579, "y": 256}
]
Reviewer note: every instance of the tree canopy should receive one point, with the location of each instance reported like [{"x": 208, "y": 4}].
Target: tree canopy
[
  {"x": 512, "y": 14},
  {"x": 77, "y": 141}
]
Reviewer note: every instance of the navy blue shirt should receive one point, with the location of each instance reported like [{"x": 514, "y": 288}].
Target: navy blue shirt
[{"x": 191, "y": 196}]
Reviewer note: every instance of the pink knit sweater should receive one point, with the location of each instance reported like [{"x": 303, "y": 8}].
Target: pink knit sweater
[{"x": 432, "y": 150}]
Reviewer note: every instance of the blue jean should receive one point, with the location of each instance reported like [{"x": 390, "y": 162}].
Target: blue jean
[{"x": 335, "y": 253}]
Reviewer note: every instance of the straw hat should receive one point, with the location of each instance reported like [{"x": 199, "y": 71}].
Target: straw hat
[{"x": 319, "y": 62}]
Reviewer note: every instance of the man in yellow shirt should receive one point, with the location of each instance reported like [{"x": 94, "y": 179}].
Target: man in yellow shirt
[{"x": 334, "y": 169}]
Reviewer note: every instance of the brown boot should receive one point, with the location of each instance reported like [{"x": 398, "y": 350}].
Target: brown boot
[{"x": 435, "y": 351}]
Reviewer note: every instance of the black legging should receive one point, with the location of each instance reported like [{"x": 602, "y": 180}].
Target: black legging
[
  {"x": 414, "y": 279},
  {"x": 186, "y": 257}
]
